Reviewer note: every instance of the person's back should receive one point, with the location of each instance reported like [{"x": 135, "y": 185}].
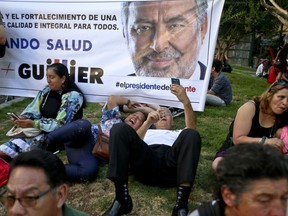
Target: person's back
[
  {"x": 219, "y": 89},
  {"x": 225, "y": 92},
  {"x": 259, "y": 70}
]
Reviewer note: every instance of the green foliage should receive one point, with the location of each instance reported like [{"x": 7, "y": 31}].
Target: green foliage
[{"x": 240, "y": 18}]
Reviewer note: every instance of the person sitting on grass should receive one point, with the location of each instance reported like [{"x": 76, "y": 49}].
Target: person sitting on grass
[
  {"x": 258, "y": 120},
  {"x": 57, "y": 104},
  {"x": 79, "y": 137},
  {"x": 219, "y": 89}
]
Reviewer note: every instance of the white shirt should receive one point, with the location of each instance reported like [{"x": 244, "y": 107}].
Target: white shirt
[
  {"x": 259, "y": 70},
  {"x": 159, "y": 136}
]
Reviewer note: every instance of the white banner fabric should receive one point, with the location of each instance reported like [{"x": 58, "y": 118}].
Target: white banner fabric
[{"x": 91, "y": 40}]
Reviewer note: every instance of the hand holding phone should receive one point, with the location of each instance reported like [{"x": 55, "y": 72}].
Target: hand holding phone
[
  {"x": 13, "y": 115},
  {"x": 175, "y": 81}
]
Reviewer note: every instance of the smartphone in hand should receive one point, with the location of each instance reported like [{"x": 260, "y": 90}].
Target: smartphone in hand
[
  {"x": 175, "y": 81},
  {"x": 13, "y": 115}
]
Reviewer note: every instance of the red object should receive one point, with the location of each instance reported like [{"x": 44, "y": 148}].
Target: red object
[
  {"x": 272, "y": 54},
  {"x": 4, "y": 172},
  {"x": 272, "y": 75}
]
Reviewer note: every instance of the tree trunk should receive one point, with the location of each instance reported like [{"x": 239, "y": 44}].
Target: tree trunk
[{"x": 276, "y": 11}]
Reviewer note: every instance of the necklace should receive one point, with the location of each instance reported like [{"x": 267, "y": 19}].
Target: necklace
[
  {"x": 272, "y": 131},
  {"x": 43, "y": 104}
]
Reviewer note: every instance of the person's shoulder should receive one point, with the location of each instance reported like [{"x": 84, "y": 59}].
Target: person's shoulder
[
  {"x": 112, "y": 109},
  {"x": 69, "y": 211},
  {"x": 207, "y": 209},
  {"x": 248, "y": 107},
  {"x": 108, "y": 114},
  {"x": 45, "y": 90},
  {"x": 225, "y": 78},
  {"x": 194, "y": 213},
  {"x": 250, "y": 103},
  {"x": 74, "y": 94},
  {"x": 221, "y": 75}
]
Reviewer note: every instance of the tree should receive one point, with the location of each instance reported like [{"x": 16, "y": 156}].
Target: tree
[
  {"x": 276, "y": 10},
  {"x": 241, "y": 18}
]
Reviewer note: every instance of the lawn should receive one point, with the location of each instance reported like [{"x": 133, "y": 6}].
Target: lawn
[{"x": 95, "y": 197}]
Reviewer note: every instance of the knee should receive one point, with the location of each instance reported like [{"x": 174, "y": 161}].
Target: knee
[
  {"x": 191, "y": 135},
  {"x": 190, "y": 140},
  {"x": 83, "y": 123},
  {"x": 120, "y": 128},
  {"x": 91, "y": 174},
  {"x": 83, "y": 126},
  {"x": 87, "y": 170}
]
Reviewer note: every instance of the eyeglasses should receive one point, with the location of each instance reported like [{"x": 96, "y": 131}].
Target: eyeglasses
[{"x": 26, "y": 201}]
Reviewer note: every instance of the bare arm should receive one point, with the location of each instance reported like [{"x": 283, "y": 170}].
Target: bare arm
[
  {"x": 279, "y": 75},
  {"x": 243, "y": 124},
  {"x": 210, "y": 92},
  {"x": 116, "y": 100},
  {"x": 145, "y": 108},
  {"x": 152, "y": 118},
  {"x": 190, "y": 117}
]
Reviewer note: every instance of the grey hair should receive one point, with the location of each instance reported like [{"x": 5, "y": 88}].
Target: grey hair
[{"x": 201, "y": 11}]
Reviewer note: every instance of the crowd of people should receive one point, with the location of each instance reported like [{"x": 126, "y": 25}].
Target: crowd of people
[
  {"x": 276, "y": 68},
  {"x": 251, "y": 167}
]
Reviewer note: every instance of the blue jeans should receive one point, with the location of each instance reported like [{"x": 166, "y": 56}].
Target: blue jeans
[
  {"x": 214, "y": 100},
  {"x": 78, "y": 143}
]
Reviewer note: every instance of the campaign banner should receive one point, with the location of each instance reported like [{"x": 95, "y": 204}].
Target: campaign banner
[{"x": 123, "y": 48}]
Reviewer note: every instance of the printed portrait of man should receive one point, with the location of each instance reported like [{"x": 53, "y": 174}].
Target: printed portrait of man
[{"x": 164, "y": 37}]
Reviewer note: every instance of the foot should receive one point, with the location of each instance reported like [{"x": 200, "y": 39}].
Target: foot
[
  {"x": 180, "y": 212},
  {"x": 118, "y": 208}
]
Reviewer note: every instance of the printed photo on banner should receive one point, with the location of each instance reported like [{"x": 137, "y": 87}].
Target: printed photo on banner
[
  {"x": 130, "y": 48},
  {"x": 164, "y": 38}
]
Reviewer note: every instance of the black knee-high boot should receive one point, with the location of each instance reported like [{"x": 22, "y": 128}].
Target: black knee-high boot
[
  {"x": 181, "y": 206},
  {"x": 123, "y": 203},
  {"x": 121, "y": 190}
]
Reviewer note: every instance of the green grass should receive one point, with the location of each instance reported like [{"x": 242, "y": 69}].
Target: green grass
[
  {"x": 246, "y": 68},
  {"x": 95, "y": 197}
]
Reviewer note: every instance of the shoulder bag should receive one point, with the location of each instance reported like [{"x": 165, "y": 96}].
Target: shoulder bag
[{"x": 101, "y": 147}]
